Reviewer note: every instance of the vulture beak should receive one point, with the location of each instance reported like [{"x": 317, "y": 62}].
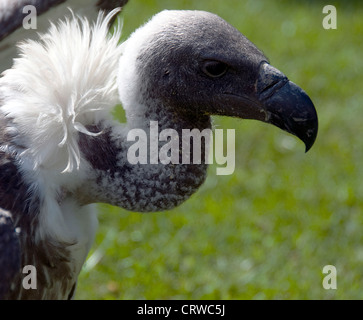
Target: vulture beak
[{"x": 286, "y": 105}]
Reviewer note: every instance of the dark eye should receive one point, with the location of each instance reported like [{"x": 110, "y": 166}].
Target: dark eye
[{"x": 214, "y": 69}]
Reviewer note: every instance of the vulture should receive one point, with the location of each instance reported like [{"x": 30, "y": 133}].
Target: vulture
[{"x": 61, "y": 151}]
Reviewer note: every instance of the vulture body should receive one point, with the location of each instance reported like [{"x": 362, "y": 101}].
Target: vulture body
[{"x": 60, "y": 150}]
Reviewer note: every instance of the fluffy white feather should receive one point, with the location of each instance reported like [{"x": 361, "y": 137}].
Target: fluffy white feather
[
  {"x": 59, "y": 85},
  {"x": 128, "y": 80}
]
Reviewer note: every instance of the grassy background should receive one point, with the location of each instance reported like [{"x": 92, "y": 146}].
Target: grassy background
[{"x": 267, "y": 231}]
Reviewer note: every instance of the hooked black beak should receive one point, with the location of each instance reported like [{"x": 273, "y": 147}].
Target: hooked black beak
[{"x": 286, "y": 105}]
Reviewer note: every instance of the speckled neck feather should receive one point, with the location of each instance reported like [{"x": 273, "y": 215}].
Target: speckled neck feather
[{"x": 142, "y": 187}]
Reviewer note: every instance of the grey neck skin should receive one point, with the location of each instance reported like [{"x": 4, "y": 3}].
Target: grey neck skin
[{"x": 141, "y": 187}]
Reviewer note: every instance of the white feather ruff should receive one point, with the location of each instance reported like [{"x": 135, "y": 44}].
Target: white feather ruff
[{"x": 59, "y": 85}]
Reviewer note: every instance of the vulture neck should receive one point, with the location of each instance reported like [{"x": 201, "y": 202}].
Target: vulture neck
[{"x": 142, "y": 187}]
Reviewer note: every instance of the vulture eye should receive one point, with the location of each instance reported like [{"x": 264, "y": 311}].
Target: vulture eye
[{"x": 214, "y": 69}]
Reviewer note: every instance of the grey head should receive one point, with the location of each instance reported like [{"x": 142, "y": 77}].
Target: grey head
[{"x": 196, "y": 63}]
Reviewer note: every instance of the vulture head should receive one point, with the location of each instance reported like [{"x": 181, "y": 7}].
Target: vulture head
[{"x": 196, "y": 64}]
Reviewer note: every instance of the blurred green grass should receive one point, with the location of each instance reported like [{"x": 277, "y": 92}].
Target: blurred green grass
[{"x": 267, "y": 231}]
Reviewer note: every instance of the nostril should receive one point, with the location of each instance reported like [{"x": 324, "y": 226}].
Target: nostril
[
  {"x": 270, "y": 85},
  {"x": 271, "y": 89},
  {"x": 269, "y": 81}
]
